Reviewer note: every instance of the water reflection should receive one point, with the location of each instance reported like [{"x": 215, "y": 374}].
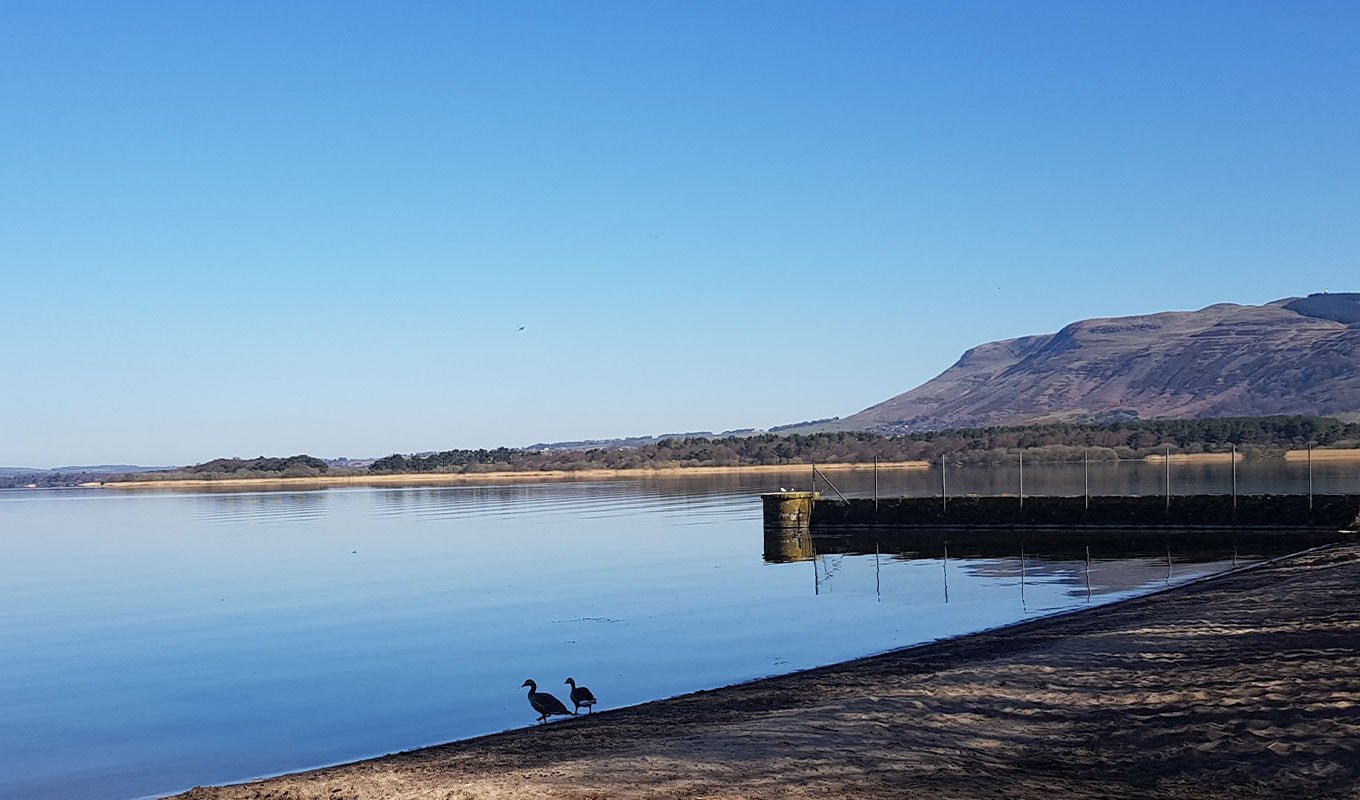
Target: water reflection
[
  {"x": 259, "y": 507},
  {"x": 1088, "y": 564},
  {"x": 1189, "y": 547},
  {"x": 788, "y": 545},
  {"x": 256, "y": 633}
]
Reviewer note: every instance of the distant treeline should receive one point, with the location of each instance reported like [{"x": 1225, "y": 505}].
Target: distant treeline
[
  {"x": 454, "y": 461},
  {"x": 47, "y": 480},
  {"x": 1054, "y": 442},
  {"x": 1253, "y": 436},
  {"x": 301, "y": 466}
]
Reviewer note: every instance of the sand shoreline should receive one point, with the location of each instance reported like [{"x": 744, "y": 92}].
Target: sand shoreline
[
  {"x": 441, "y": 478},
  {"x": 1194, "y": 458},
  {"x": 472, "y": 478},
  {"x": 1319, "y": 454},
  {"x": 1230, "y": 687}
]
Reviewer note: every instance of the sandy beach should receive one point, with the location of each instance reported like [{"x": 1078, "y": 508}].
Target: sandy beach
[
  {"x": 444, "y": 478},
  {"x": 1242, "y": 686}
]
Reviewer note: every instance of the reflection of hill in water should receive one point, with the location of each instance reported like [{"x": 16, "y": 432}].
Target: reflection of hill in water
[{"x": 1192, "y": 547}]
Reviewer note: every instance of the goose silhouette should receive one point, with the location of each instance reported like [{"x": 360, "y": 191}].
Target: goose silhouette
[
  {"x": 580, "y": 696},
  {"x": 545, "y": 704}
]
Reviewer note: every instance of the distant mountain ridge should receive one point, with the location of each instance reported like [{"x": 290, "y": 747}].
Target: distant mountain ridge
[
  {"x": 626, "y": 442},
  {"x": 92, "y": 468},
  {"x": 1299, "y": 355}
]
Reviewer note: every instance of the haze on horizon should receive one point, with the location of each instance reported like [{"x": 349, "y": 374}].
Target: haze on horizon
[{"x": 243, "y": 229}]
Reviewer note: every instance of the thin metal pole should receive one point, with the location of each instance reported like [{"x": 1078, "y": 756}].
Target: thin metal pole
[
  {"x": 816, "y": 576},
  {"x": 814, "y": 477},
  {"x": 1234, "y": 474},
  {"x": 1168, "y": 478},
  {"x": 828, "y": 482},
  {"x": 1022, "y": 478},
  {"x": 944, "y": 487},
  {"x": 875, "y": 483},
  {"x": 1086, "y": 463},
  {"x": 1310, "y": 476}
]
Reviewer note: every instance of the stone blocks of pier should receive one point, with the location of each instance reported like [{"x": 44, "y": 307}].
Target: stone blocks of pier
[{"x": 1327, "y": 512}]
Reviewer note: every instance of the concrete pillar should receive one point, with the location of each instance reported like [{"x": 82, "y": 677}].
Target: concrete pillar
[{"x": 788, "y": 509}]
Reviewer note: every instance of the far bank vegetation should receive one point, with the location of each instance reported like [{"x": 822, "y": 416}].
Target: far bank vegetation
[
  {"x": 301, "y": 466},
  {"x": 1252, "y": 436}
]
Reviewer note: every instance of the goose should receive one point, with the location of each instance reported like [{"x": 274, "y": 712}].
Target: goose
[
  {"x": 580, "y": 695},
  {"x": 544, "y": 703}
]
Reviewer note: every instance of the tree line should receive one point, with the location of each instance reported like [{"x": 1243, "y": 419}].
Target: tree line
[
  {"x": 299, "y": 466},
  {"x": 1253, "y": 436},
  {"x": 1052, "y": 442}
]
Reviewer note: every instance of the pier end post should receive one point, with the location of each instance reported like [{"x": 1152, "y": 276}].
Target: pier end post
[{"x": 788, "y": 510}]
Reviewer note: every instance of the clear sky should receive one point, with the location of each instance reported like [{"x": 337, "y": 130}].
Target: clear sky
[{"x": 267, "y": 228}]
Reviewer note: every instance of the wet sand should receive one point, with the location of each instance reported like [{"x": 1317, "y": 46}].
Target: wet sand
[
  {"x": 1241, "y": 686},
  {"x": 445, "y": 478}
]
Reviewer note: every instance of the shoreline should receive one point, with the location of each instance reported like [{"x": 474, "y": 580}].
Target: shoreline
[
  {"x": 1158, "y": 695},
  {"x": 456, "y": 478},
  {"x": 1350, "y": 454},
  {"x": 1345, "y": 454},
  {"x": 1195, "y": 458},
  {"x": 441, "y": 478}
]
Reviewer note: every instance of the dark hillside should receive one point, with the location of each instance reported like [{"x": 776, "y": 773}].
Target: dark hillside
[{"x": 1293, "y": 356}]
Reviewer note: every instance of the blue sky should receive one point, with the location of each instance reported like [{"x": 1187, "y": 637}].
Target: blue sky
[{"x": 267, "y": 228}]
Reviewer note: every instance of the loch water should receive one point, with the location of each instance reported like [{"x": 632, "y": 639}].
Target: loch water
[{"x": 152, "y": 641}]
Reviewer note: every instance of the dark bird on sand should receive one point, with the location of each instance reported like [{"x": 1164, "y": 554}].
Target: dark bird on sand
[
  {"x": 544, "y": 703},
  {"x": 580, "y": 695}
]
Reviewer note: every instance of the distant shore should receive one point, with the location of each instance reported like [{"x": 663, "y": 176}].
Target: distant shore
[
  {"x": 1231, "y": 688},
  {"x": 444, "y": 478},
  {"x": 1319, "y": 454},
  {"x": 509, "y": 476},
  {"x": 1352, "y": 454},
  {"x": 1193, "y": 458}
]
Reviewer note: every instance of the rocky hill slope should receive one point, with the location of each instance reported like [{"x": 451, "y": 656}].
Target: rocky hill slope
[{"x": 1292, "y": 356}]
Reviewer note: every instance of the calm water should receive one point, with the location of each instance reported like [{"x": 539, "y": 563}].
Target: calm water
[{"x": 151, "y": 642}]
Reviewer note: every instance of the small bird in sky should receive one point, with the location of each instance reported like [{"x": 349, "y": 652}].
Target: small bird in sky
[{"x": 521, "y": 327}]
